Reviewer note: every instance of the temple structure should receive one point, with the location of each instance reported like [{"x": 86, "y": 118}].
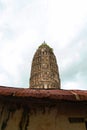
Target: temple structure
[
  {"x": 43, "y": 106},
  {"x": 44, "y": 70}
]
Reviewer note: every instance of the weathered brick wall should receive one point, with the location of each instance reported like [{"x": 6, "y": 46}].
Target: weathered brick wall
[{"x": 48, "y": 117}]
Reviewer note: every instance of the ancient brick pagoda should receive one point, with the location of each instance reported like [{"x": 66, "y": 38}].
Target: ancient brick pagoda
[
  {"x": 42, "y": 109},
  {"x": 44, "y": 70}
]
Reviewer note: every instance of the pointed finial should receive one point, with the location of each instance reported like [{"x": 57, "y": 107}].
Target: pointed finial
[{"x": 44, "y": 42}]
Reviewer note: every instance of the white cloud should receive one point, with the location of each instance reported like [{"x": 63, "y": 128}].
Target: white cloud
[
  {"x": 24, "y": 25},
  {"x": 66, "y": 19},
  {"x": 1, "y": 35}
]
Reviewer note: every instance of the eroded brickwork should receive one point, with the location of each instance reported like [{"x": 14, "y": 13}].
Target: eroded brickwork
[
  {"x": 19, "y": 115},
  {"x": 44, "y": 70}
]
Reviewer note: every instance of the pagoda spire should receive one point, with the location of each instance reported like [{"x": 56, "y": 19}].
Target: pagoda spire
[{"x": 44, "y": 69}]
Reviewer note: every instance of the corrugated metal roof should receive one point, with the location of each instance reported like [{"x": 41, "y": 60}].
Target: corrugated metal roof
[{"x": 69, "y": 95}]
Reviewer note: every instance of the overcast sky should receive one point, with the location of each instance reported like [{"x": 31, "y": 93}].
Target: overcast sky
[{"x": 25, "y": 24}]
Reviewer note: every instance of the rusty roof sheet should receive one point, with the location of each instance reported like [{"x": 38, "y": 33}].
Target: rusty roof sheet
[{"x": 69, "y": 95}]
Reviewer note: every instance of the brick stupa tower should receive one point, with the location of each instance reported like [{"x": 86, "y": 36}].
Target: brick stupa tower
[{"x": 44, "y": 70}]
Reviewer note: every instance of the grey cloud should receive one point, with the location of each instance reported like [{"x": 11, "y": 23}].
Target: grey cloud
[
  {"x": 77, "y": 70},
  {"x": 1, "y": 7}
]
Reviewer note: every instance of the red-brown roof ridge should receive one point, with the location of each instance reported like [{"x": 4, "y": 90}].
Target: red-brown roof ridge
[{"x": 56, "y": 94}]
